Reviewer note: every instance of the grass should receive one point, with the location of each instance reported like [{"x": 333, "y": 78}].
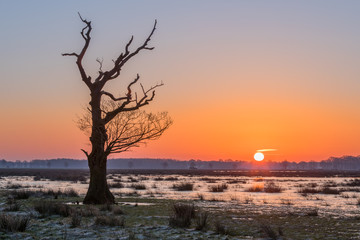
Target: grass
[
  {"x": 323, "y": 190},
  {"x": 353, "y": 182},
  {"x": 76, "y": 218},
  {"x": 255, "y": 188},
  {"x": 47, "y": 208},
  {"x": 313, "y": 212},
  {"x": 328, "y": 190},
  {"x": 296, "y": 226},
  {"x": 12, "y": 207},
  {"x": 138, "y": 186},
  {"x": 201, "y": 196},
  {"x": 21, "y": 194},
  {"x": 243, "y": 221},
  {"x": 201, "y": 221},
  {"x": 90, "y": 211},
  {"x": 117, "y": 210},
  {"x": 14, "y": 223},
  {"x": 185, "y": 186},
  {"x": 106, "y": 207},
  {"x": 115, "y": 185},
  {"x": 308, "y": 190},
  {"x": 271, "y": 187},
  {"x": 220, "y": 227},
  {"x": 269, "y": 232},
  {"x": 111, "y": 221},
  {"x": 182, "y": 214},
  {"x": 171, "y": 179},
  {"x": 218, "y": 188}
]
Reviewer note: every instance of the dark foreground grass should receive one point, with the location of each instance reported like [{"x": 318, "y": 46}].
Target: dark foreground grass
[
  {"x": 111, "y": 221},
  {"x": 14, "y": 223},
  {"x": 47, "y": 208},
  {"x": 182, "y": 215},
  {"x": 241, "y": 222}
]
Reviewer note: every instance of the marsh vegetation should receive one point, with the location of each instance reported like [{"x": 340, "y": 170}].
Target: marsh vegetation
[{"x": 178, "y": 205}]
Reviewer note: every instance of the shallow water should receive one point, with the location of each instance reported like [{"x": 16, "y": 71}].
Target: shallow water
[{"x": 234, "y": 197}]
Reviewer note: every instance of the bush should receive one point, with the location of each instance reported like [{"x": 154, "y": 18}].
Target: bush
[
  {"x": 182, "y": 215},
  {"x": 218, "y": 188},
  {"x": 14, "y": 223},
  {"x": 183, "y": 186},
  {"x": 271, "y": 187},
  {"x": 111, "y": 221}
]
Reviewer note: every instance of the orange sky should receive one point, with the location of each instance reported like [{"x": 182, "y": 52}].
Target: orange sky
[{"x": 239, "y": 76}]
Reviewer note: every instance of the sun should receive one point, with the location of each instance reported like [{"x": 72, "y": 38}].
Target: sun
[{"x": 259, "y": 156}]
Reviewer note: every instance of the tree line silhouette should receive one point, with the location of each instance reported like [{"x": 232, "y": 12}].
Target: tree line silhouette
[{"x": 344, "y": 163}]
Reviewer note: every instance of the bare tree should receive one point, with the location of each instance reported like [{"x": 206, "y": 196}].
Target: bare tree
[{"x": 111, "y": 126}]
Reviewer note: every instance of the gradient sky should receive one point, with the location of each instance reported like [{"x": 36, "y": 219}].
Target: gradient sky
[{"x": 239, "y": 76}]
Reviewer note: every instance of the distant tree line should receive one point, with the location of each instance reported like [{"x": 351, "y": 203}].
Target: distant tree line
[{"x": 346, "y": 163}]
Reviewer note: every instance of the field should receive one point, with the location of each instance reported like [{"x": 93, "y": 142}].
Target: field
[{"x": 187, "y": 204}]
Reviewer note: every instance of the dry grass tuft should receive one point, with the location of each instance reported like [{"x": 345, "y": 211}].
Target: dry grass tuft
[
  {"x": 182, "y": 215},
  {"x": 14, "y": 223}
]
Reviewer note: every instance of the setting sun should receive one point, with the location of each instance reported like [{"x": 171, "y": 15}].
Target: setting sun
[{"x": 259, "y": 156}]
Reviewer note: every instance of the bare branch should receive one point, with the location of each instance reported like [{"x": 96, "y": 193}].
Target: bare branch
[
  {"x": 128, "y": 96},
  {"x": 70, "y": 54},
  {"x": 85, "y": 33},
  {"x": 86, "y": 153},
  {"x": 126, "y": 56},
  {"x": 112, "y": 96},
  {"x": 100, "y": 63},
  {"x": 138, "y": 104}
]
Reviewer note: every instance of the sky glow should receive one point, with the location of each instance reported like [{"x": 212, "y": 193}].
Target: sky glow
[{"x": 239, "y": 76}]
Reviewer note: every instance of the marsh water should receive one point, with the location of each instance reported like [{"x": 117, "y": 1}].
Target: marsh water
[{"x": 239, "y": 191}]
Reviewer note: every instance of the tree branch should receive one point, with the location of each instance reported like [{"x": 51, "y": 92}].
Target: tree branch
[
  {"x": 134, "y": 128},
  {"x": 128, "y": 96},
  {"x": 86, "y": 153},
  {"x": 138, "y": 104},
  {"x": 85, "y": 33},
  {"x": 126, "y": 56}
]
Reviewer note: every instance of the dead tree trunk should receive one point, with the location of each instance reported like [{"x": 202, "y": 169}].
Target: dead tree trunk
[{"x": 98, "y": 191}]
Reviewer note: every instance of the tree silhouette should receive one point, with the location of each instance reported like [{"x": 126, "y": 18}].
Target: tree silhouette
[
  {"x": 128, "y": 129},
  {"x": 115, "y": 124}
]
